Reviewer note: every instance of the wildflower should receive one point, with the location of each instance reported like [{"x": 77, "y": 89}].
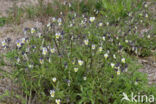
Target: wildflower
[
  {"x": 126, "y": 41},
  {"x": 23, "y": 40},
  {"x": 112, "y": 65},
  {"x": 80, "y": 62},
  {"x": 33, "y": 30},
  {"x": 146, "y": 5},
  {"x": 49, "y": 59},
  {"x": 100, "y": 24},
  {"x": 148, "y": 36},
  {"x": 59, "y": 21},
  {"x": 30, "y": 65},
  {"x": 100, "y": 49},
  {"x": 93, "y": 46},
  {"x": 92, "y": 19},
  {"x": 57, "y": 35},
  {"x": 58, "y": 101},
  {"x": 18, "y": 43},
  {"x": 49, "y": 24},
  {"x": 146, "y": 15},
  {"x": 52, "y": 50},
  {"x": 39, "y": 35},
  {"x": 73, "y": 61},
  {"x": 106, "y": 56},
  {"x": 107, "y": 23},
  {"x": 75, "y": 69},
  {"x": 52, "y": 93},
  {"x": 104, "y": 38},
  {"x": 118, "y": 72},
  {"x": 4, "y": 43},
  {"x": 114, "y": 56},
  {"x": 85, "y": 78},
  {"x": 54, "y": 79},
  {"x": 86, "y": 42},
  {"x": 41, "y": 60},
  {"x": 44, "y": 50},
  {"x": 123, "y": 60},
  {"x": 18, "y": 59},
  {"x": 53, "y": 19},
  {"x": 68, "y": 81}
]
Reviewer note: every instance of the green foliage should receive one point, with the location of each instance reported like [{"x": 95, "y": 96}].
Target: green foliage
[
  {"x": 119, "y": 8},
  {"x": 3, "y": 21},
  {"x": 82, "y": 59},
  {"x": 72, "y": 61}
]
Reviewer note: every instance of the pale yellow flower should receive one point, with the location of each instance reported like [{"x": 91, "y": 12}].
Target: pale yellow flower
[
  {"x": 57, "y": 35},
  {"x": 100, "y": 49},
  {"x": 75, "y": 69},
  {"x": 52, "y": 93},
  {"x": 58, "y": 101},
  {"x": 33, "y": 30},
  {"x": 118, "y": 72},
  {"x": 52, "y": 50},
  {"x": 92, "y": 19},
  {"x": 106, "y": 56},
  {"x": 80, "y": 62},
  {"x": 112, "y": 65},
  {"x": 54, "y": 79},
  {"x": 86, "y": 42},
  {"x": 123, "y": 60},
  {"x": 93, "y": 46}
]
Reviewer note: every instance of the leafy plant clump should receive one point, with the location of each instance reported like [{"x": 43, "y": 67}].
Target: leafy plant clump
[{"x": 82, "y": 59}]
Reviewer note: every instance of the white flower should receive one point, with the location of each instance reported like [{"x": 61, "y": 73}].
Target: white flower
[
  {"x": 92, "y": 19},
  {"x": 112, "y": 65},
  {"x": 39, "y": 35},
  {"x": 126, "y": 41},
  {"x": 93, "y": 46},
  {"x": 86, "y": 42},
  {"x": 107, "y": 23},
  {"x": 148, "y": 36},
  {"x": 52, "y": 93},
  {"x": 52, "y": 50},
  {"x": 44, "y": 50},
  {"x": 75, "y": 69},
  {"x": 59, "y": 21},
  {"x": 53, "y": 19},
  {"x": 48, "y": 25},
  {"x": 54, "y": 79},
  {"x": 33, "y": 30},
  {"x": 100, "y": 49},
  {"x": 18, "y": 43},
  {"x": 104, "y": 38},
  {"x": 114, "y": 56},
  {"x": 80, "y": 62},
  {"x": 146, "y": 5},
  {"x": 18, "y": 60},
  {"x": 58, "y": 101},
  {"x": 123, "y": 60},
  {"x": 85, "y": 78},
  {"x": 118, "y": 72},
  {"x": 146, "y": 15},
  {"x": 106, "y": 56},
  {"x": 23, "y": 40},
  {"x": 57, "y": 35},
  {"x": 100, "y": 24},
  {"x": 3, "y": 43}
]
